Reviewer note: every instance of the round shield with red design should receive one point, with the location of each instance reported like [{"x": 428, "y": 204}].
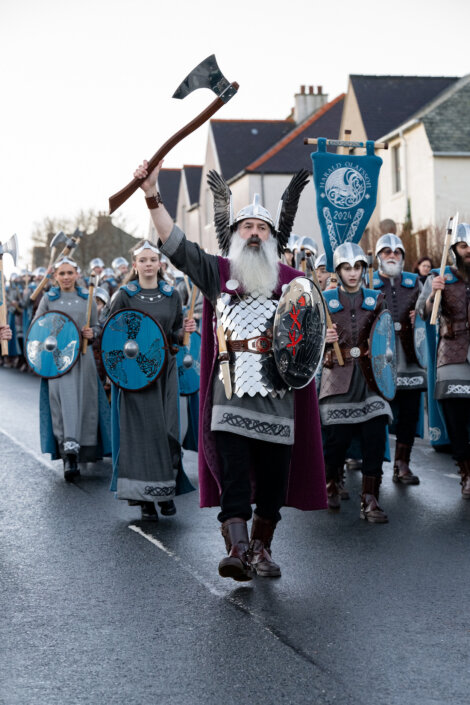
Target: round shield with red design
[{"x": 299, "y": 332}]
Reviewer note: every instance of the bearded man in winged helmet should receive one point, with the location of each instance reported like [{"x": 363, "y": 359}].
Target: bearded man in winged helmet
[{"x": 261, "y": 444}]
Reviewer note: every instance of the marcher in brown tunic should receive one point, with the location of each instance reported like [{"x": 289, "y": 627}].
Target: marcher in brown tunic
[{"x": 348, "y": 406}]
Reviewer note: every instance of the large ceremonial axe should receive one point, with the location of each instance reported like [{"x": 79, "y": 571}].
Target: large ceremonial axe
[
  {"x": 206, "y": 75},
  {"x": 10, "y": 247},
  {"x": 70, "y": 243},
  {"x": 451, "y": 229}
]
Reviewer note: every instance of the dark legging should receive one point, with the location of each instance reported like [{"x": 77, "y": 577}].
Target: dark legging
[
  {"x": 405, "y": 409},
  {"x": 457, "y": 417},
  {"x": 270, "y": 464},
  {"x": 338, "y": 437}
]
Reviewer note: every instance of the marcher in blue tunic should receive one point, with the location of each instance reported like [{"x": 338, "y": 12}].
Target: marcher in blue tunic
[
  {"x": 74, "y": 412},
  {"x": 146, "y": 437}
]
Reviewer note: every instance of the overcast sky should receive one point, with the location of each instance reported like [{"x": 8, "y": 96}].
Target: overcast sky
[{"x": 86, "y": 85}]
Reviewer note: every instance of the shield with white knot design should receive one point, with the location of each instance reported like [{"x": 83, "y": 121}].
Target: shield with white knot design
[
  {"x": 382, "y": 359},
  {"x": 52, "y": 344},
  {"x": 133, "y": 349}
]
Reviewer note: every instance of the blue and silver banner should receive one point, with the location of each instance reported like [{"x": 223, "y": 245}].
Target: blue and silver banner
[{"x": 346, "y": 187}]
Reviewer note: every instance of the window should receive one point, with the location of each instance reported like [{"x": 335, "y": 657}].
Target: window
[{"x": 397, "y": 168}]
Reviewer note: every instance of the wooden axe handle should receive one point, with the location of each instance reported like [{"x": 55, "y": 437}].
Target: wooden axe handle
[
  {"x": 187, "y": 334},
  {"x": 65, "y": 253},
  {"x": 438, "y": 295},
  {"x": 121, "y": 196},
  {"x": 329, "y": 323},
  {"x": 40, "y": 286},
  {"x": 88, "y": 316},
  {"x": 3, "y": 308}
]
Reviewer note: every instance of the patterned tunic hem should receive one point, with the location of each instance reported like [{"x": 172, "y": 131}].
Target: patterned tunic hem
[
  {"x": 145, "y": 491},
  {"x": 252, "y": 424},
  {"x": 355, "y": 412}
]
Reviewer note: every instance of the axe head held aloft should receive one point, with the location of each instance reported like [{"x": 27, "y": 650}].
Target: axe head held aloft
[
  {"x": 11, "y": 248},
  {"x": 206, "y": 75}
]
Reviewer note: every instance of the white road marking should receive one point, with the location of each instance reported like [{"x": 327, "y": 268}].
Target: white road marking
[
  {"x": 162, "y": 547},
  {"x": 30, "y": 452},
  {"x": 451, "y": 474}
]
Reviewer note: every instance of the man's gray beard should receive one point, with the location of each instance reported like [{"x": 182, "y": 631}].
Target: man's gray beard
[
  {"x": 257, "y": 270},
  {"x": 391, "y": 269}
]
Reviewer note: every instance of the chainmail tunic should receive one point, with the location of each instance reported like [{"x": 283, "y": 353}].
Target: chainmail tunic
[{"x": 257, "y": 410}]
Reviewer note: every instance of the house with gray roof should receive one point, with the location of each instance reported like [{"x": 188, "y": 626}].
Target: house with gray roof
[
  {"x": 261, "y": 156},
  {"x": 426, "y": 171}
]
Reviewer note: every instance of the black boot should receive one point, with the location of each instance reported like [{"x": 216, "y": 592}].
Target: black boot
[
  {"x": 401, "y": 468},
  {"x": 262, "y": 531},
  {"x": 71, "y": 470},
  {"x": 149, "y": 513},
  {"x": 168, "y": 508},
  {"x": 370, "y": 509},
  {"x": 235, "y": 565}
]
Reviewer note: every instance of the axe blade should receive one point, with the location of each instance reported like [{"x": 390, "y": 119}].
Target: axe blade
[
  {"x": 10, "y": 247},
  {"x": 57, "y": 239},
  {"x": 206, "y": 75}
]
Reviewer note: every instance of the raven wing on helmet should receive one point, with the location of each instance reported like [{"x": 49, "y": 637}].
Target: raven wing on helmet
[
  {"x": 288, "y": 208},
  {"x": 223, "y": 210}
]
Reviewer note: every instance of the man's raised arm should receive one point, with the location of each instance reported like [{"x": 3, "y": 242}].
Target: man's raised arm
[{"x": 162, "y": 220}]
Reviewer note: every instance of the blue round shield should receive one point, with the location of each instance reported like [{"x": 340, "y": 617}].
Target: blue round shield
[
  {"x": 188, "y": 360},
  {"x": 419, "y": 339},
  {"x": 133, "y": 349},
  {"x": 383, "y": 355},
  {"x": 52, "y": 344}
]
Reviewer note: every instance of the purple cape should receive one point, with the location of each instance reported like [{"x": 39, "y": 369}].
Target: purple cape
[{"x": 306, "y": 488}]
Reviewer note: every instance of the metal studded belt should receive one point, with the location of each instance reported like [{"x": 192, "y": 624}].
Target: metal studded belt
[
  {"x": 260, "y": 344},
  {"x": 347, "y": 353},
  {"x": 355, "y": 352}
]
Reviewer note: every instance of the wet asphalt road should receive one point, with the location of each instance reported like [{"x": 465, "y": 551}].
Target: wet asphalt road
[{"x": 99, "y": 607}]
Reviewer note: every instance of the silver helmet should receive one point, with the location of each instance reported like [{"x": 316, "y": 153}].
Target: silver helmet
[
  {"x": 106, "y": 274},
  {"x": 96, "y": 262},
  {"x": 119, "y": 262},
  {"x": 293, "y": 242},
  {"x": 389, "y": 240},
  {"x": 462, "y": 234},
  {"x": 306, "y": 243},
  {"x": 102, "y": 294},
  {"x": 349, "y": 253},
  {"x": 320, "y": 261},
  {"x": 255, "y": 210}
]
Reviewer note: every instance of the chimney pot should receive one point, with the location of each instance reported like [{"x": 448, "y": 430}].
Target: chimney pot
[
  {"x": 320, "y": 89},
  {"x": 302, "y": 90},
  {"x": 310, "y": 90}
]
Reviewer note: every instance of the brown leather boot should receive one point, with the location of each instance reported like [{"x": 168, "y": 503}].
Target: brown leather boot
[
  {"x": 370, "y": 509},
  {"x": 262, "y": 531},
  {"x": 401, "y": 468},
  {"x": 464, "y": 466},
  {"x": 332, "y": 488},
  {"x": 235, "y": 565}
]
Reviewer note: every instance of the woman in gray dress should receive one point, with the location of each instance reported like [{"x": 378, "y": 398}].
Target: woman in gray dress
[
  {"x": 74, "y": 415},
  {"x": 146, "y": 437}
]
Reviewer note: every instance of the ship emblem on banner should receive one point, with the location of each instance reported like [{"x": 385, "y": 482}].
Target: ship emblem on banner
[{"x": 346, "y": 189}]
